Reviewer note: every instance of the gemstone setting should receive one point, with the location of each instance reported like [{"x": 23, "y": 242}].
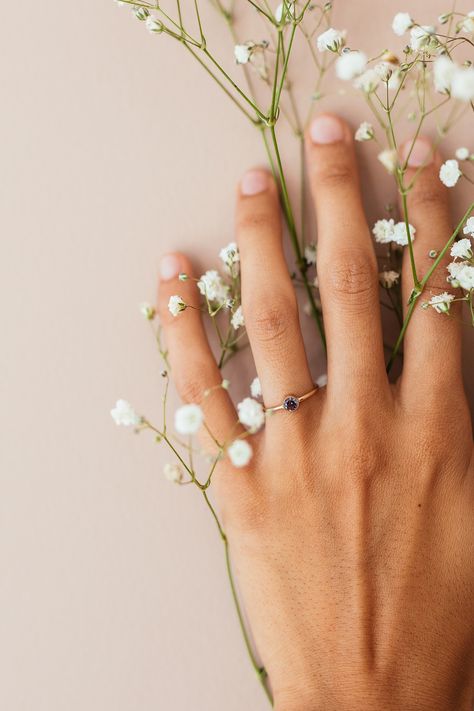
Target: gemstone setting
[{"x": 291, "y": 403}]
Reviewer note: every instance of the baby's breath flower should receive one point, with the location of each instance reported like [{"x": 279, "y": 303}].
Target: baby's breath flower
[
  {"x": 173, "y": 472},
  {"x": 443, "y": 19},
  {"x": 183, "y": 277},
  {"x": 255, "y": 388},
  {"x": 384, "y": 70},
  {"x": 467, "y": 24},
  {"x": 401, "y": 23},
  {"x": 141, "y": 13},
  {"x": 365, "y": 132},
  {"x": 188, "y": 419},
  {"x": 396, "y": 79},
  {"x": 289, "y": 11},
  {"x": 465, "y": 277},
  {"x": 332, "y": 40},
  {"x": 124, "y": 414},
  {"x": 350, "y": 64},
  {"x": 461, "y": 274},
  {"x": 441, "y": 302},
  {"x": 444, "y": 70},
  {"x": 462, "y": 249},
  {"x": 383, "y": 231},
  {"x": 147, "y": 311},
  {"x": 240, "y": 453},
  {"x": 225, "y": 385},
  {"x": 251, "y": 414},
  {"x": 469, "y": 227},
  {"x": 176, "y": 305},
  {"x": 421, "y": 36},
  {"x": 449, "y": 173},
  {"x": 212, "y": 286},
  {"x": 368, "y": 81},
  {"x": 237, "y": 319},
  {"x": 400, "y": 233},
  {"x": 153, "y": 25},
  {"x": 462, "y": 86},
  {"x": 453, "y": 269},
  {"x": 386, "y": 231},
  {"x": 310, "y": 253},
  {"x": 462, "y": 153},
  {"x": 230, "y": 255},
  {"x": 388, "y": 158},
  {"x": 322, "y": 381},
  {"x": 388, "y": 279},
  {"x": 243, "y": 52}
]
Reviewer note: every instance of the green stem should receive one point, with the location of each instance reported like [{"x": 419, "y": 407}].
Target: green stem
[
  {"x": 417, "y": 293},
  {"x": 416, "y": 281},
  {"x": 288, "y": 212},
  {"x": 221, "y": 84},
  {"x": 259, "y": 670},
  {"x": 241, "y": 93},
  {"x": 285, "y": 65}
]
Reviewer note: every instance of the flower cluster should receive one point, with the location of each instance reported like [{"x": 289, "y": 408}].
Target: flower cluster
[
  {"x": 386, "y": 231},
  {"x": 221, "y": 296}
]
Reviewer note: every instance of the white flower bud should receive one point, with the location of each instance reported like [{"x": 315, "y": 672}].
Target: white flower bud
[
  {"x": 141, "y": 13},
  {"x": 148, "y": 311},
  {"x": 153, "y": 25},
  {"x": 173, "y": 472},
  {"x": 240, "y": 453},
  {"x": 124, "y": 414},
  {"x": 176, "y": 305}
]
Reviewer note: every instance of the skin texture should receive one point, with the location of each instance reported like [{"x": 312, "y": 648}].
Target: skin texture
[{"x": 352, "y": 529}]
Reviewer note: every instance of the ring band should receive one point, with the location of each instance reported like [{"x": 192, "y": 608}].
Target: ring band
[{"x": 292, "y": 402}]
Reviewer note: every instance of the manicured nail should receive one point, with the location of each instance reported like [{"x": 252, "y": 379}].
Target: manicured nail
[
  {"x": 420, "y": 154},
  {"x": 254, "y": 182},
  {"x": 326, "y": 129},
  {"x": 169, "y": 266}
]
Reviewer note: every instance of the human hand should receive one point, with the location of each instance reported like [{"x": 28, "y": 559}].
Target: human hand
[{"x": 352, "y": 529}]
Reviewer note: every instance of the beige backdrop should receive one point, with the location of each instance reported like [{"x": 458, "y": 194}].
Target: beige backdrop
[{"x": 114, "y": 149}]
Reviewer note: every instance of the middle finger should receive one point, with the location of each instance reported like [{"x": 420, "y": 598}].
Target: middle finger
[{"x": 347, "y": 267}]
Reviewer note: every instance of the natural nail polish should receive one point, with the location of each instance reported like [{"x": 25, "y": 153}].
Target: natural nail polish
[
  {"x": 169, "y": 266},
  {"x": 420, "y": 154},
  {"x": 254, "y": 182},
  {"x": 326, "y": 129}
]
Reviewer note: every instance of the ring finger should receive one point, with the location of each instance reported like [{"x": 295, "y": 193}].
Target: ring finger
[{"x": 268, "y": 297}]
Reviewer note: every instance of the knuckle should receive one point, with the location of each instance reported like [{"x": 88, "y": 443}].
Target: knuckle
[
  {"x": 429, "y": 196},
  {"x": 192, "y": 386},
  {"x": 333, "y": 174},
  {"x": 252, "y": 221},
  {"x": 352, "y": 276},
  {"x": 436, "y": 284},
  {"x": 272, "y": 321}
]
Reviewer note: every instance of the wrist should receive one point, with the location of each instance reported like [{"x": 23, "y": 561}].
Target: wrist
[{"x": 341, "y": 695}]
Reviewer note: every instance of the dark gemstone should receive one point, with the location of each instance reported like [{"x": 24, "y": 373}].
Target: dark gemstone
[{"x": 291, "y": 403}]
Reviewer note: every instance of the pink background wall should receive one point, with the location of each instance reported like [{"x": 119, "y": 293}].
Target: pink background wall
[{"x": 115, "y": 148}]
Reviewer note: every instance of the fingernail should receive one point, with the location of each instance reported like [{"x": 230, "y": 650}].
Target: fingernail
[
  {"x": 420, "y": 154},
  {"x": 169, "y": 266},
  {"x": 326, "y": 129},
  {"x": 254, "y": 182}
]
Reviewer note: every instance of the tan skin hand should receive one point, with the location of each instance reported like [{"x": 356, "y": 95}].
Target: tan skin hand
[{"x": 352, "y": 530}]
